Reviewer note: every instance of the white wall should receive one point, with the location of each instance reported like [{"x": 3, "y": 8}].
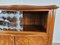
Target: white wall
[{"x": 56, "y": 37}]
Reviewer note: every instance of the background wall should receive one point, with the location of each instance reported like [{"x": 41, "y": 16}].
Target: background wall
[{"x": 56, "y": 37}]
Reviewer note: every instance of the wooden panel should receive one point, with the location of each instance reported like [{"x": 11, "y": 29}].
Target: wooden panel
[
  {"x": 38, "y": 40},
  {"x": 31, "y": 40},
  {"x": 51, "y": 29},
  {"x": 21, "y": 40},
  {"x": 6, "y": 40}
]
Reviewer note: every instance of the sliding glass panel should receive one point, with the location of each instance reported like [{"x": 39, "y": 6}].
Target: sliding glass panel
[{"x": 9, "y": 20}]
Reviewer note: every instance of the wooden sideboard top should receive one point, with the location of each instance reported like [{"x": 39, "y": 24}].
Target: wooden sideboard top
[{"x": 26, "y": 7}]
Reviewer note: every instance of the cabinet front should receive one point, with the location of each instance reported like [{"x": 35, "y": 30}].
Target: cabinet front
[
  {"x": 31, "y": 40},
  {"x": 6, "y": 40},
  {"x": 38, "y": 40}
]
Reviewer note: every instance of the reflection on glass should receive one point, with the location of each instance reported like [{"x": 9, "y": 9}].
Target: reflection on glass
[{"x": 9, "y": 20}]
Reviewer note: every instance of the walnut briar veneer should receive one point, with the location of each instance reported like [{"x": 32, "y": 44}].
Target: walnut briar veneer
[{"x": 38, "y": 25}]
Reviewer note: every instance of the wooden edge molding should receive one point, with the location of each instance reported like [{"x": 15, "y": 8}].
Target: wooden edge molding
[
  {"x": 26, "y": 7},
  {"x": 23, "y": 33}
]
